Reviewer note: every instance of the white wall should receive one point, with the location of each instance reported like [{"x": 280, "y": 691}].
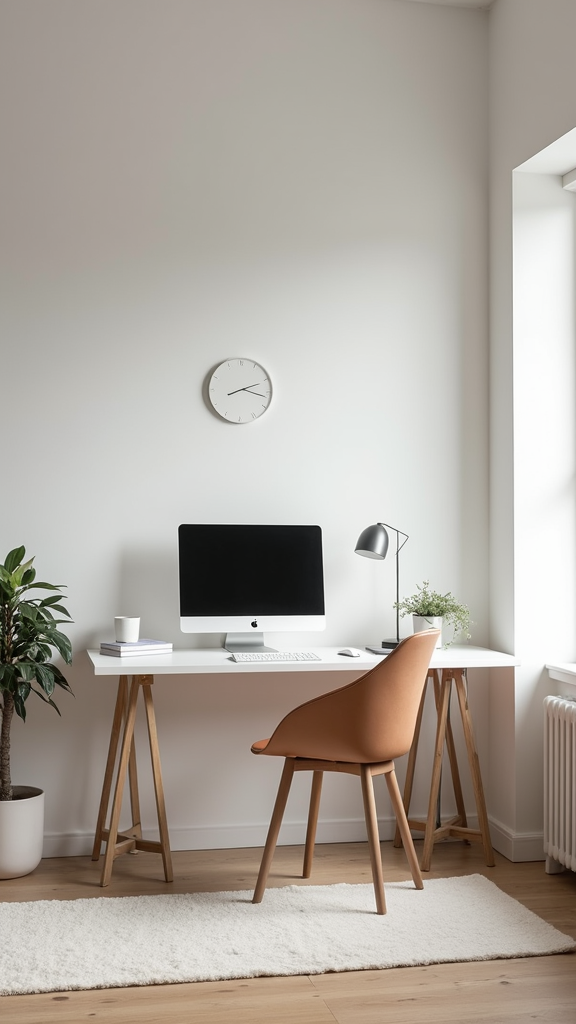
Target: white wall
[
  {"x": 300, "y": 181},
  {"x": 532, "y": 521}
]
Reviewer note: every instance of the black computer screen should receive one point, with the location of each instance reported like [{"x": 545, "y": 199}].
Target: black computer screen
[{"x": 250, "y": 570}]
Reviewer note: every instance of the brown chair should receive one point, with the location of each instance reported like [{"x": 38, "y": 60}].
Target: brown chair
[{"x": 358, "y": 729}]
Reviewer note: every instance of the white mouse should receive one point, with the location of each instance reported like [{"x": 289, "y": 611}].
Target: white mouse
[{"x": 350, "y": 653}]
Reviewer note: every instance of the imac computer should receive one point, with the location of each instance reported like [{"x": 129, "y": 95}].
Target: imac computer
[{"x": 244, "y": 580}]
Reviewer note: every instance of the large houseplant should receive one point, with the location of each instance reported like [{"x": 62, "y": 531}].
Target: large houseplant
[
  {"x": 28, "y": 634},
  {"x": 431, "y": 606}
]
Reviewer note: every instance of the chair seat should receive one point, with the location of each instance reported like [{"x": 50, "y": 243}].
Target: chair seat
[{"x": 259, "y": 746}]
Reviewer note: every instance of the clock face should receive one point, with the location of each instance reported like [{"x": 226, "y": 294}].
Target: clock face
[{"x": 240, "y": 390}]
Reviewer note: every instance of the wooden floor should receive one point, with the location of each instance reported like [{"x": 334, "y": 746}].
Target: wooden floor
[{"x": 499, "y": 992}]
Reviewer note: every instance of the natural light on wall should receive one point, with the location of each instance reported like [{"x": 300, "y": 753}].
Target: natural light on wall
[{"x": 544, "y": 416}]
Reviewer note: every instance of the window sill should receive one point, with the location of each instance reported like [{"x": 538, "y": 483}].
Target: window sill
[{"x": 564, "y": 672}]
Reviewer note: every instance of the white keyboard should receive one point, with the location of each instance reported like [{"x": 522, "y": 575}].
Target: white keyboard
[{"x": 263, "y": 656}]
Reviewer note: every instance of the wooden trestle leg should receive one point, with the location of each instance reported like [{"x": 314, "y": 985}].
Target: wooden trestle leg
[
  {"x": 456, "y": 827},
  {"x": 130, "y": 840}
]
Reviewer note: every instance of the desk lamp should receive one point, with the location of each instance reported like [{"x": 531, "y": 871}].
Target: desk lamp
[{"x": 373, "y": 543}]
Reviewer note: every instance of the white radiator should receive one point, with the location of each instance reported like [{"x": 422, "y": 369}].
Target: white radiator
[{"x": 559, "y": 784}]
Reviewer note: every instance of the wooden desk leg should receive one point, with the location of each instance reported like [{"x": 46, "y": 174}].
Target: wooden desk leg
[
  {"x": 119, "y": 713},
  {"x": 457, "y": 786},
  {"x": 157, "y": 773},
  {"x": 474, "y": 766},
  {"x": 136, "y": 828},
  {"x": 411, "y": 767},
  {"x": 130, "y": 841},
  {"x": 445, "y": 686},
  {"x": 120, "y": 781}
]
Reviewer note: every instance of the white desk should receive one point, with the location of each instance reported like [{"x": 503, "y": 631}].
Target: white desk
[
  {"x": 446, "y": 667},
  {"x": 218, "y": 661}
]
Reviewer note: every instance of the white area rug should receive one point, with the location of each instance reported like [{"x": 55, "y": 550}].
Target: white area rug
[{"x": 57, "y": 945}]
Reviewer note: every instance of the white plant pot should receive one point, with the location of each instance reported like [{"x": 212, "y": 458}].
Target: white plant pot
[
  {"x": 421, "y": 622},
  {"x": 21, "y": 832}
]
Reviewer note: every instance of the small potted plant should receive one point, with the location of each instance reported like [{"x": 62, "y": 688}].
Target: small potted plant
[
  {"x": 28, "y": 633},
  {"x": 431, "y": 610}
]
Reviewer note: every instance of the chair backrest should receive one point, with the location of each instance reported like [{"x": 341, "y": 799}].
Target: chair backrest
[{"x": 369, "y": 720}]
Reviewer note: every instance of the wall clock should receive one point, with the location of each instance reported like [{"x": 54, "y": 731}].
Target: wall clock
[{"x": 240, "y": 390}]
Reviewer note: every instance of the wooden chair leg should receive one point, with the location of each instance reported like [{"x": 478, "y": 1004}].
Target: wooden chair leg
[
  {"x": 403, "y": 827},
  {"x": 373, "y": 837},
  {"x": 275, "y": 823},
  {"x": 317, "y": 778}
]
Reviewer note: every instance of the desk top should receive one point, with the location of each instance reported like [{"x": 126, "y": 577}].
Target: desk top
[{"x": 218, "y": 661}]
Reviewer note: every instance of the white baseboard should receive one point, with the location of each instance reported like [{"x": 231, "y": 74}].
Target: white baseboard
[
  {"x": 518, "y": 847},
  {"x": 67, "y": 844},
  {"x": 227, "y": 837}
]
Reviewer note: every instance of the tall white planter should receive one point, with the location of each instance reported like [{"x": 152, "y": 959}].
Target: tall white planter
[
  {"x": 421, "y": 622},
  {"x": 21, "y": 832}
]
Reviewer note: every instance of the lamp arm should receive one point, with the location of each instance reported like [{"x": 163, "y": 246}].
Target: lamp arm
[{"x": 399, "y": 533}]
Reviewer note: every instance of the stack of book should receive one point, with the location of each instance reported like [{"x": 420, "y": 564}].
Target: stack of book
[{"x": 126, "y": 650}]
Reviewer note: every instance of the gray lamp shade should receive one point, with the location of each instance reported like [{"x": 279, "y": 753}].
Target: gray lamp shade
[{"x": 373, "y": 542}]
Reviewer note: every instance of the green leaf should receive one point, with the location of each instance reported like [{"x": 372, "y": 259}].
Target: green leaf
[
  {"x": 44, "y": 652},
  {"x": 23, "y": 690},
  {"x": 28, "y": 610},
  {"x": 14, "y": 558},
  {"x": 60, "y": 680},
  {"x": 25, "y": 670},
  {"x": 20, "y": 571},
  {"x": 20, "y": 706},
  {"x": 28, "y": 577},
  {"x": 51, "y": 622},
  {"x": 61, "y": 611},
  {"x": 45, "y": 586},
  {"x": 63, "y": 645},
  {"x": 45, "y": 678},
  {"x": 48, "y": 602}
]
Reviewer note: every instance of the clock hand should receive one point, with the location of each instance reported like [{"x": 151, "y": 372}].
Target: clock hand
[{"x": 246, "y": 389}]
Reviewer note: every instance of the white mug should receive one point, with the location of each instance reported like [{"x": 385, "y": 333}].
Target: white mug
[{"x": 127, "y": 629}]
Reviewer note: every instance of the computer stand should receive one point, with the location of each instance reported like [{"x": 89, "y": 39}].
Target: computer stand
[{"x": 237, "y": 643}]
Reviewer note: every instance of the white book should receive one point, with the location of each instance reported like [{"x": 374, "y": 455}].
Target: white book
[{"x": 122, "y": 650}]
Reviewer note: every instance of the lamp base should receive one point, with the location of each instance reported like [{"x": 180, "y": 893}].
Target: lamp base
[{"x": 386, "y": 647}]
